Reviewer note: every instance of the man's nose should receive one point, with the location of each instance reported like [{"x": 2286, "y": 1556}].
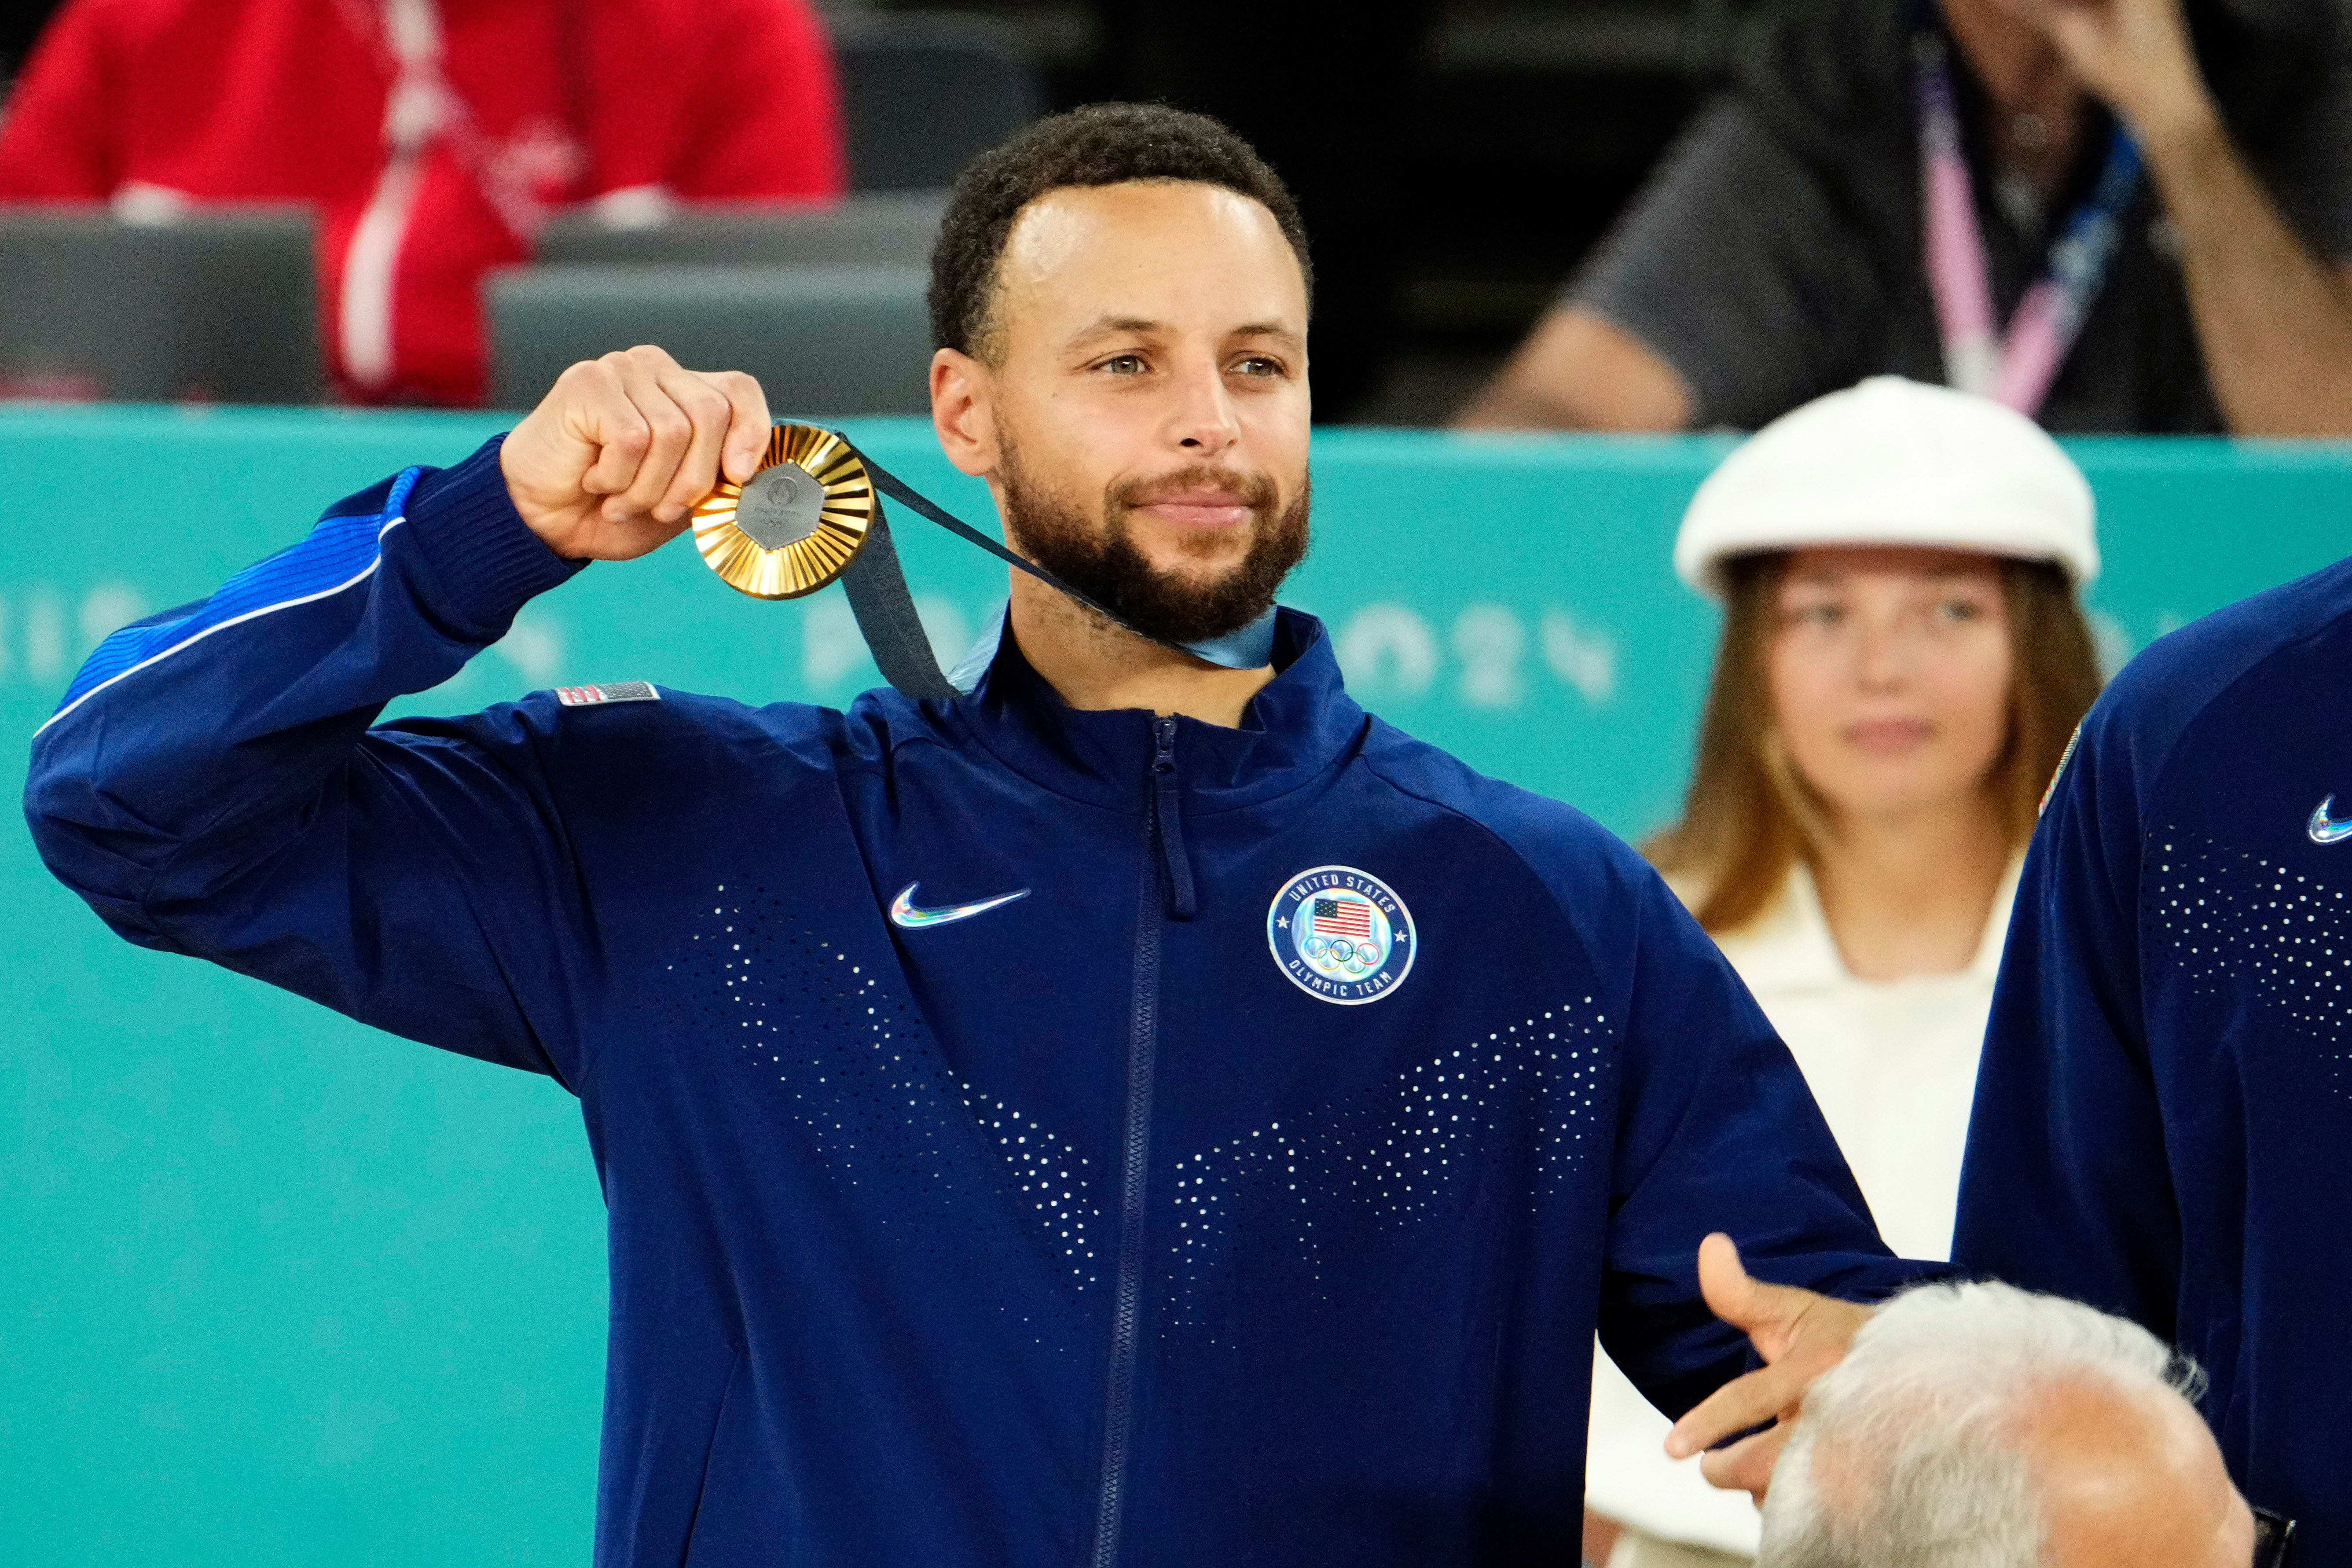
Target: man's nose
[{"x": 1202, "y": 421}]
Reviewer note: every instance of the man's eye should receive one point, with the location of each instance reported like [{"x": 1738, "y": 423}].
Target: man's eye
[
  {"x": 1958, "y": 610},
  {"x": 1816, "y": 614},
  {"x": 1123, "y": 364},
  {"x": 1258, "y": 364}
]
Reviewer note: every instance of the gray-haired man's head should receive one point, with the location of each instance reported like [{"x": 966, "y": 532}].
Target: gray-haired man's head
[{"x": 1983, "y": 1427}]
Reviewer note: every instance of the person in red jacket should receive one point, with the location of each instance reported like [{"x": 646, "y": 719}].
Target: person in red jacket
[{"x": 433, "y": 136}]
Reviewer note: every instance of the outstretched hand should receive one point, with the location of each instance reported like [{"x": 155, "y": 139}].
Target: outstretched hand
[
  {"x": 1800, "y": 1334},
  {"x": 613, "y": 459}
]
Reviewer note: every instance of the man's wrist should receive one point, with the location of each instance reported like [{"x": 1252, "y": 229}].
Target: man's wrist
[
  {"x": 485, "y": 562},
  {"x": 536, "y": 517},
  {"x": 2178, "y": 129}
]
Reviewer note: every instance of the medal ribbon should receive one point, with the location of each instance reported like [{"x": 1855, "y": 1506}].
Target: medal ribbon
[
  {"x": 878, "y": 597},
  {"x": 2014, "y": 368}
]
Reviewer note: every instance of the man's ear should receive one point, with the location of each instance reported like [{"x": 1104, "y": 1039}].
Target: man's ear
[{"x": 964, "y": 412}]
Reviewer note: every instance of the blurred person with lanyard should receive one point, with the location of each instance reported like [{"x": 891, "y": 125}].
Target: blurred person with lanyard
[
  {"x": 433, "y": 137},
  {"x": 1902, "y": 661},
  {"x": 2111, "y": 214}
]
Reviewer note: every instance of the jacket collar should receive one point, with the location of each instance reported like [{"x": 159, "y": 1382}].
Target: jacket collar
[{"x": 1297, "y": 727}]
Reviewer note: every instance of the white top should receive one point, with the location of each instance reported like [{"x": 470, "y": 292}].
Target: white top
[{"x": 1892, "y": 1065}]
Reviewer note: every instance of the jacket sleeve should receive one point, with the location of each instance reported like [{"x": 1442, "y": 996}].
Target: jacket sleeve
[
  {"x": 211, "y": 785},
  {"x": 2066, "y": 1188},
  {"x": 1717, "y": 1131},
  {"x": 55, "y": 141}
]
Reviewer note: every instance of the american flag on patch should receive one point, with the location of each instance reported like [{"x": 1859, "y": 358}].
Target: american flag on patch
[
  {"x": 1343, "y": 917},
  {"x": 612, "y": 691}
]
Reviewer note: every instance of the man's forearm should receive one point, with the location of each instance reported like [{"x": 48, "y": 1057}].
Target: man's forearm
[
  {"x": 223, "y": 725},
  {"x": 1580, "y": 371},
  {"x": 2274, "y": 318}
]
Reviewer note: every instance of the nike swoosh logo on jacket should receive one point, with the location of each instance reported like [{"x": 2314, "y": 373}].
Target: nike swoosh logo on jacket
[{"x": 903, "y": 911}]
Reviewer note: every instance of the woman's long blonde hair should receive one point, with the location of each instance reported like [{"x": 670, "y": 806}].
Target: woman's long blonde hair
[{"x": 1748, "y": 818}]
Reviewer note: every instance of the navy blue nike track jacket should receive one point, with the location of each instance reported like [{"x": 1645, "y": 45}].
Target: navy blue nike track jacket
[
  {"x": 2163, "y": 1123},
  {"x": 1246, "y": 1190}
]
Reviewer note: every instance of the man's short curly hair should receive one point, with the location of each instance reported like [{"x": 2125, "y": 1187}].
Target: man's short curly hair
[{"x": 1101, "y": 144}]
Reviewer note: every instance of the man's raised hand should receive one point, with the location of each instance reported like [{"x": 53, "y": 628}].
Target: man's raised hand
[
  {"x": 1800, "y": 1335},
  {"x": 611, "y": 461}
]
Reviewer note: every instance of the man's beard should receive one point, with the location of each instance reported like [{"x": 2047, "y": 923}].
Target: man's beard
[{"x": 1108, "y": 569}]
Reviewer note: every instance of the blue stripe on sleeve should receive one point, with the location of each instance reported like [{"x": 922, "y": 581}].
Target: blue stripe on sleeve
[{"x": 335, "y": 554}]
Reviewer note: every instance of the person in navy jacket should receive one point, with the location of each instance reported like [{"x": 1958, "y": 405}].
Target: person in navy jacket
[
  {"x": 1143, "y": 1111},
  {"x": 2163, "y": 1122}
]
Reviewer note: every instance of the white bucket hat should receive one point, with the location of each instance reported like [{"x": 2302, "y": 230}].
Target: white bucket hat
[{"x": 1893, "y": 462}]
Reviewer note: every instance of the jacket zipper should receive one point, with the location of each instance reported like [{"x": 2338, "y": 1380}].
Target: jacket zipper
[
  {"x": 1167, "y": 891},
  {"x": 1167, "y": 810}
]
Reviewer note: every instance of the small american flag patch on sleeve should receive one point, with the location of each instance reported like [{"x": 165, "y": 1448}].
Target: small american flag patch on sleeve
[
  {"x": 2058, "y": 772},
  {"x": 615, "y": 691}
]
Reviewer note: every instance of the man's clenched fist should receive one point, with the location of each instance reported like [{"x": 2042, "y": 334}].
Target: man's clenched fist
[{"x": 610, "y": 463}]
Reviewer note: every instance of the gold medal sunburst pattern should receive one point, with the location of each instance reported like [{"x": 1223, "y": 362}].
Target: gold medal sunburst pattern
[{"x": 803, "y": 565}]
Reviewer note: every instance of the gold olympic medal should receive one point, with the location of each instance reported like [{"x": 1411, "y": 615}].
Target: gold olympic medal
[{"x": 795, "y": 524}]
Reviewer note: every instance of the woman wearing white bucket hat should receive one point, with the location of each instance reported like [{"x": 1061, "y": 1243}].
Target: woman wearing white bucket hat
[{"x": 1902, "y": 662}]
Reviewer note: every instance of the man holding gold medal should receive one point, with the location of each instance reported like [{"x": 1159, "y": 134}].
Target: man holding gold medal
[{"x": 1122, "y": 1104}]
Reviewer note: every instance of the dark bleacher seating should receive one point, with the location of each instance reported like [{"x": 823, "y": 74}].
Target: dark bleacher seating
[
  {"x": 925, "y": 92},
  {"x": 822, "y": 339},
  {"x": 218, "y": 305},
  {"x": 888, "y": 229}
]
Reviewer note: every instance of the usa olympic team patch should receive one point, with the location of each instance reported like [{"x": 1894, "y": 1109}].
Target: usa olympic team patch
[{"x": 1343, "y": 935}]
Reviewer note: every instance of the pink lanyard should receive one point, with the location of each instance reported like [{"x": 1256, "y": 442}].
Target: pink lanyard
[{"x": 2014, "y": 368}]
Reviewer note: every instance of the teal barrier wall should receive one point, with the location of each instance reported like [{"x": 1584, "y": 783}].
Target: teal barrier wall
[{"x": 279, "y": 1290}]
